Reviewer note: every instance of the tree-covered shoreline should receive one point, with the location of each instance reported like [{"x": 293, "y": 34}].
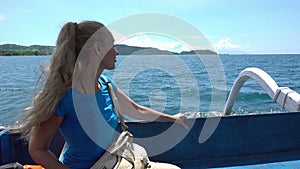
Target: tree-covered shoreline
[
  {"x": 20, "y": 50},
  {"x": 39, "y": 50}
]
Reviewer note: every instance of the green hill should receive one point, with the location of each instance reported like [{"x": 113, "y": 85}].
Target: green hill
[
  {"x": 134, "y": 50},
  {"x": 199, "y": 52}
]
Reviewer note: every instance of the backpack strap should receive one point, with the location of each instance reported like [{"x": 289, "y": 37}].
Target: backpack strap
[{"x": 115, "y": 103}]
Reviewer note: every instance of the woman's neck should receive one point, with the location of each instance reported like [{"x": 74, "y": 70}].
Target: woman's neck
[{"x": 88, "y": 84}]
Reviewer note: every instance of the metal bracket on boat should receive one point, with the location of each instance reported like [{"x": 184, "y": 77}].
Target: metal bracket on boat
[
  {"x": 287, "y": 98},
  {"x": 284, "y": 96}
]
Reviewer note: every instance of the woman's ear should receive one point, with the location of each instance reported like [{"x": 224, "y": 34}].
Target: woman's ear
[{"x": 97, "y": 47}]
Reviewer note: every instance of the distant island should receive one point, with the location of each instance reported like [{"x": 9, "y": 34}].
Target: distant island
[
  {"x": 37, "y": 50},
  {"x": 16, "y": 50}
]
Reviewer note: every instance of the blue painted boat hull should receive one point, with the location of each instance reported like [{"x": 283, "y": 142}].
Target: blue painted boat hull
[{"x": 255, "y": 141}]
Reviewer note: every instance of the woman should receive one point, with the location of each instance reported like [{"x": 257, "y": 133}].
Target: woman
[{"x": 72, "y": 83}]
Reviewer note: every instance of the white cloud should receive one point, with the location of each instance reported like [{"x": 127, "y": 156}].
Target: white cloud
[
  {"x": 226, "y": 44},
  {"x": 143, "y": 40}
]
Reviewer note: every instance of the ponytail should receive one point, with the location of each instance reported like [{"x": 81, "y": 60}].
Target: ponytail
[{"x": 58, "y": 76}]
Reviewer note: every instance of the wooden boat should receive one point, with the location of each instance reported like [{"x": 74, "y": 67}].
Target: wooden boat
[{"x": 240, "y": 141}]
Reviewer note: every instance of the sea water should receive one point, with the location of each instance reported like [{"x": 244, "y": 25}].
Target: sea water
[{"x": 191, "y": 84}]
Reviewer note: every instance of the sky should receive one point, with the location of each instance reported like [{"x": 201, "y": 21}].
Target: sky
[{"x": 231, "y": 26}]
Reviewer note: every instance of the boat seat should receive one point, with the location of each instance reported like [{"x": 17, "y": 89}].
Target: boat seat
[{"x": 15, "y": 149}]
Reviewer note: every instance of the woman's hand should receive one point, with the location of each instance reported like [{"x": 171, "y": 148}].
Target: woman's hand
[{"x": 179, "y": 119}]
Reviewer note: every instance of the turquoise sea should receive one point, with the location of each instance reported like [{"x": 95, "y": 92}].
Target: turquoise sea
[{"x": 166, "y": 83}]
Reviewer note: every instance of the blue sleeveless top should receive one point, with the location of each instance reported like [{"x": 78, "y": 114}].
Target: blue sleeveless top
[{"x": 88, "y": 125}]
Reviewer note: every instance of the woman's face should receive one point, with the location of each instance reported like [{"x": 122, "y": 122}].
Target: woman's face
[{"x": 109, "y": 59}]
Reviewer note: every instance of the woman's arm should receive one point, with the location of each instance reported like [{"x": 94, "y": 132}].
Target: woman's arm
[
  {"x": 129, "y": 107},
  {"x": 39, "y": 143}
]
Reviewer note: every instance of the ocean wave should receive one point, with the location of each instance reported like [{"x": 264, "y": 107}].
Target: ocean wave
[
  {"x": 202, "y": 114},
  {"x": 12, "y": 89},
  {"x": 239, "y": 111},
  {"x": 253, "y": 96}
]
